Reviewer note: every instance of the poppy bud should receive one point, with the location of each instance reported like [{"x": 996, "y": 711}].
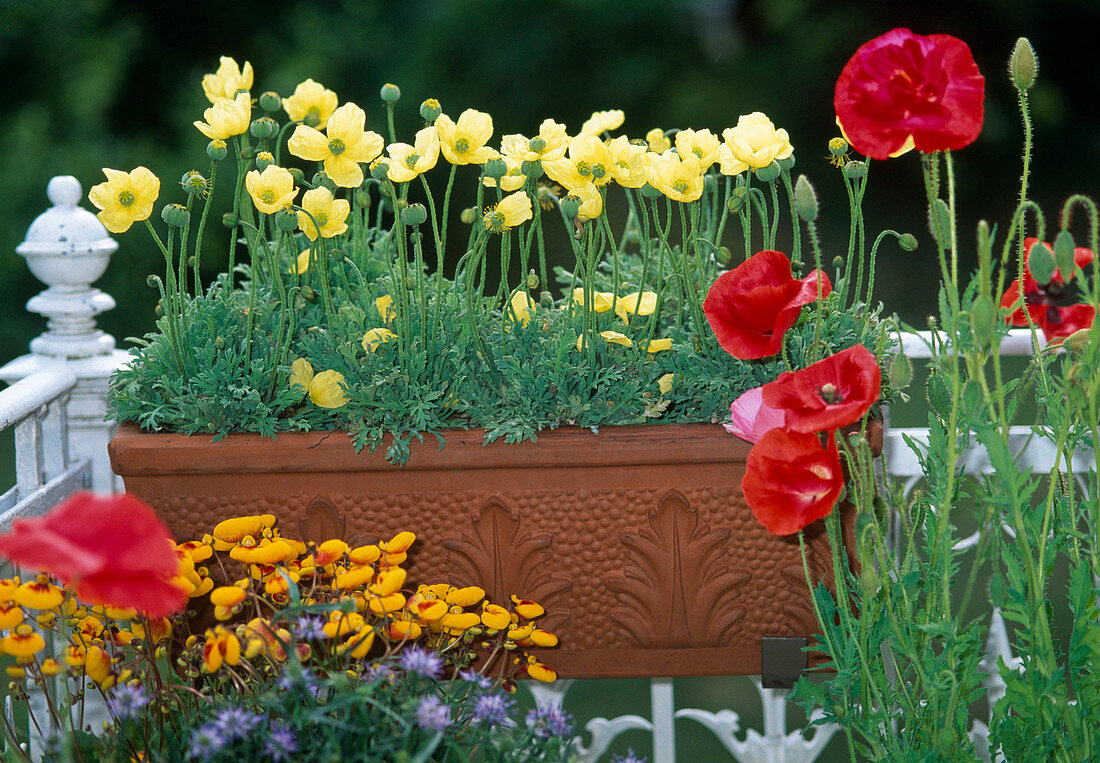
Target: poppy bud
[
  {"x": 736, "y": 202},
  {"x": 297, "y": 174},
  {"x": 855, "y": 170},
  {"x": 1023, "y": 65},
  {"x": 379, "y": 169},
  {"x": 468, "y": 215},
  {"x": 570, "y": 205},
  {"x": 982, "y": 316},
  {"x": 1077, "y": 341},
  {"x": 536, "y": 144},
  {"x": 216, "y": 150},
  {"x": 430, "y": 110},
  {"x": 362, "y": 199},
  {"x": 414, "y": 214},
  {"x": 900, "y": 372},
  {"x": 770, "y": 173},
  {"x": 805, "y": 200},
  {"x": 973, "y": 398},
  {"x": 496, "y": 168},
  {"x": 271, "y": 102},
  {"x": 175, "y": 215},
  {"x": 308, "y": 293},
  {"x": 532, "y": 281},
  {"x": 286, "y": 220},
  {"x": 219, "y": 342},
  {"x": 907, "y": 242},
  {"x": 531, "y": 169},
  {"x": 650, "y": 192},
  {"x": 838, "y": 262},
  {"x": 723, "y": 256},
  {"x": 1040, "y": 263},
  {"x": 230, "y": 220},
  {"x": 1063, "y": 254},
  {"x": 786, "y": 163},
  {"x": 322, "y": 178},
  {"x": 193, "y": 182},
  {"x": 248, "y": 152},
  {"x": 263, "y": 128},
  {"x": 390, "y": 93}
]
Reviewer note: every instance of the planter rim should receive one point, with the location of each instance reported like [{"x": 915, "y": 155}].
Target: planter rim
[{"x": 135, "y": 452}]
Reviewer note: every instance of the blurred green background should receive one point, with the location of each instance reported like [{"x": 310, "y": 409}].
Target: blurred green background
[{"x": 115, "y": 83}]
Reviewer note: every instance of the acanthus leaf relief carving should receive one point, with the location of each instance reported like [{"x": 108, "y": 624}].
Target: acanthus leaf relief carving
[
  {"x": 679, "y": 589},
  {"x": 505, "y": 560},
  {"x": 322, "y": 521}
]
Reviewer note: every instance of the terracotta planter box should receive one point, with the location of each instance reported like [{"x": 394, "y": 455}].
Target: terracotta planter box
[{"x": 637, "y": 541}]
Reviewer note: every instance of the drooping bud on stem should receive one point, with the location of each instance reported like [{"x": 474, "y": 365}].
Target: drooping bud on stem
[{"x": 805, "y": 200}]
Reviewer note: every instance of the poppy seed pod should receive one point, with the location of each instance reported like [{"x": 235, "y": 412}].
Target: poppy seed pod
[
  {"x": 430, "y": 110},
  {"x": 263, "y": 128},
  {"x": 769, "y": 173},
  {"x": 270, "y": 102},
  {"x": 414, "y": 214},
  {"x": 175, "y": 215},
  {"x": 390, "y": 93},
  {"x": 216, "y": 150}
]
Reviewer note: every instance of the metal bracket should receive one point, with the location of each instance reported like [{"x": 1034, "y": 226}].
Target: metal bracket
[{"x": 782, "y": 661}]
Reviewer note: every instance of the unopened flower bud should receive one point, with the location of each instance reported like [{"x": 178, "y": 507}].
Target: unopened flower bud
[
  {"x": 219, "y": 343},
  {"x": 216, "y": 150},
  {"x": 151, "y": 281},
  {"x": 532, "y": 281},
  {"x": 264, "y": 159},
  {"x": 531, "y": 169},
  {"x": 193, "y": 182},
  {"x": 379, "y": 169},
  {"x": 1040, "y": 263},
  {"x": 390, "y": 93},
  {"x": 855, "y": 170},
  {"x": 1023, "y": 65},
  {"x": 271, "y": 102},
  {"x": 230, "y": 220},
  {"x": 430, "y": 110},
  {"x": 1077, "y": 341},
  {"x": 175, "y": 215},
  {"x": 982, "y": 317},
  {"x": 736, "y": 202},
  {"x": 570, "y": 205},
  {"x": 769, "y": 173},
  {"x": 361, "y": 199},
  {"x": 650, "y": 192},
  {"x": 309, "y": 293},
  {"x": 468, "y": 215},
  {"x": 787, "y": 163},
  {"x": 805, "y": 200},
  {"x": 286, "y": 220},
  {"x": 907, "y": 242},
  {"x": 248, "y": 152},
  {"x": 838, "y": 262},
  {"x": 263, "y": 128},
  {"x": 297, "y": 174},
  {"x": 414, "y": 214},
  {"x": 1063, "y": 254},
  {"x": 723, "y": 256},
  {"x": 496, "y": 168},
  {"x": 900, "y": 372},
  {"x": 322, "y": 179}
]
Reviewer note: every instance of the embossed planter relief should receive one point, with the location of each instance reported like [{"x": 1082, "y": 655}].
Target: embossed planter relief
[{"x": 637, "y": 541}]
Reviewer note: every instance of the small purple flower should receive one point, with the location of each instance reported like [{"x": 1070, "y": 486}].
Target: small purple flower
[
  {"x": 378, "y": 671},
  {"x": 629, "y": 758},
  {"x": 127, "y": 701},
  {"x": 206, "y": 742},
  {"x": 236, "y": 722},
  {"x": 418, "y": 660},
  {"x": 492, "y": 709},
  {"x": 310, "y": 628},
  {"x": 477, "y": 679},
  {"x": 281, "y": 744},
  {"x": 549, "y": 720},
  {"x": 303, "y": 683},
  {"x": 433, "y": 714}
]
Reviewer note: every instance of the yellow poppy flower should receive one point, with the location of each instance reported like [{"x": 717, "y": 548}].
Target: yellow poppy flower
[
  {"x": 665, "y": 383},
  {"x": 301, "y": 375},
  {"x": 323, "y": 214},
  {"x": 603, "y": 121},
  {"x": 126, "y": 198},
  {"x": 463, "y": 142},
  {"x": 627, "y": 162},
  {"x": 551, "y": 143},
  {"x": 659, "y": 345},
  {"x": 271, "y": 190},
  {"x": 521, "y": 306},
  {"x": 614, "y": 337},
  {"x": 702, "y": 144},
  {"x": 346, "y": 145},
  {"x": 602, "y": 301},
  {"x": 384, "y": 304},
  {"x": 753, "y": 143},
  {"x": 327, "y": 390},
  {"x": 512, "y": 180},
  {"x": 638, "y": 303},
  {"x": 375, "y": 337},
  {"x": 591, "y": 201},
  {"x": 513, "y": 209},
  {"x": 311, "y": 103},
  {"x": 227, "y": 117},
  {"x": 657, "y": 141},
  {"x": 406, "y": 162},
  {"x": 679, "y": 178},
  {"x": 227, "y": 80},
  {"x": 588, "y": 162}
]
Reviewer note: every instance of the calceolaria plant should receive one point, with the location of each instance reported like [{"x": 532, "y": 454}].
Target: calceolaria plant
[
  {"x": 248, "y": 645},
  {"x": 914, "y": 647},
  {"x": 357, "y": 297}
]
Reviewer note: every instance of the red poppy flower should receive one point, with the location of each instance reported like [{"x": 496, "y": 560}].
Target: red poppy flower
[
  {"x": 831, "y": 393},
  {"x": 751, "y": 307},
  {"x": 1053, "y": 307},
  {"x": 905, "y": 90},
  {"x": 791, "y": 480},
  {"x": 111, "y": 550}
]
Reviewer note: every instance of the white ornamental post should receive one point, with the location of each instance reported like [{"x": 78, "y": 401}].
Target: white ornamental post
[{"x": 67, "y": 248}]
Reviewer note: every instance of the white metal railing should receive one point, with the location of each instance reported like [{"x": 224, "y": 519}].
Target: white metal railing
[{"x": 36, "y": 408}]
